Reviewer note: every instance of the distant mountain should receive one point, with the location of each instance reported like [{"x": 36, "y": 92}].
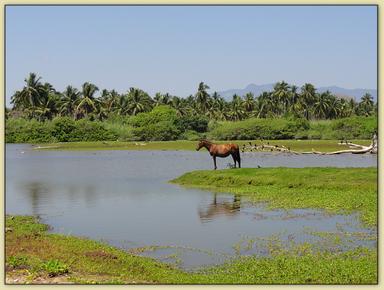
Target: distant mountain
[
  {"x": 356, "y": 93},
  {"x": 338, "y": 91}
]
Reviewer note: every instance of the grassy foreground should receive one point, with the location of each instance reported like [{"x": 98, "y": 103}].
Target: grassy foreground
[
  {"x": 35, "y": 256},
  {"x": 337, "y": 190},
  {"x": 297, "y": 145}
]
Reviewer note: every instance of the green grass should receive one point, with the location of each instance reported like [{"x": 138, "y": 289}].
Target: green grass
[
  {"x": 297, "y": 145},
  {"x": 336, "y": 190},
  {"x": 86, "y": 261},
  {"x": 32, "y": 252}
]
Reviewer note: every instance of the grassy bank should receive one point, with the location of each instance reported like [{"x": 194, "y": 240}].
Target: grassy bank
[
  {"x": 35, "y": 256},
  {"x": 337, "y": 190},
  {"x": 296, "y": 145}
]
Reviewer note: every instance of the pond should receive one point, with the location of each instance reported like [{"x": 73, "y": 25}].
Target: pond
[{"x": 124, "y": 198}]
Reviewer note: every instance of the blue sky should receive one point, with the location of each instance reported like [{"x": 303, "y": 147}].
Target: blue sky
[{"x": 173, "y": 48}]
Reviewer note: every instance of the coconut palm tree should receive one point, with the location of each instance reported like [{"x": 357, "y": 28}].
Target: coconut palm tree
[
  {"x": 334, "y": 109},
  {"x": 161, "y": 99},
  {"x": 31, "y": 95},
  {"x": 202, "y": 97},
  {"x": 293, "y": 99},
  {"x": 109, "y": 100},
  {"x": 69, "y": 99},
  {"x": 138, "y": 101},
  {"x": 249, "y": 102},
  {"x": 265, "y": 104},
  {"x": 237, "y": 111},
  {"x": 345, "y": 110},
  {"x": 48, "y": 108},
  {"x": 366, "y": 105},
  {"x": 281, "y": 93},
  {"x": 307, "y": 99},
  {"x": 86, "y": 103},
  {"x": 322, "y": 105}
]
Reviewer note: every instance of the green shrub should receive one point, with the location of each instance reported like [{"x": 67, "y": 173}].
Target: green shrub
[
  {"x": 55, "y": 268},
  {"x": 27, "y": 131},
  {"x": 354, "y": 128},
  {"x": 91, "y": 131},
  {"x": 122, "y": 131},
  {"x": 191, "y": 135},
  {"x": 160, "y": 124},
  {"x": 160, "y": 131},
  {"x": 163, "y": 123},
  {"x": 258, "y": 128},
  {"x": 63, "y": 128},
  {"x": 196, "y": 123},
  {"x": 158, "y": 114},
  {"x": 319, "y": 129},
  {"x": 17, "y": 262}
]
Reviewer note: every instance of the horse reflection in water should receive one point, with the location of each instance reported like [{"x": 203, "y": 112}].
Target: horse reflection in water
[{"x": 217, "y": 208}]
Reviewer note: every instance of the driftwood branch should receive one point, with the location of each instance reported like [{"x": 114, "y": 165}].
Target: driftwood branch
[{"x": 354, "y": 148}]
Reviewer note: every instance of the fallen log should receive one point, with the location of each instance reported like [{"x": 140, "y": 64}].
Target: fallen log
[{"x": 359, "y": 149}]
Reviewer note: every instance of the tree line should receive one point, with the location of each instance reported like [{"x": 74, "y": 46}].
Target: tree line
[{"x": 41, "y": 101}]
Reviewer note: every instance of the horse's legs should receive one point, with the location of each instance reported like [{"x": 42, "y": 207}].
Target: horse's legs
[
  {"x": 214, "y": 161},
  {"x": 238, "y": 158},
  {"x": 234, "y": 158}
]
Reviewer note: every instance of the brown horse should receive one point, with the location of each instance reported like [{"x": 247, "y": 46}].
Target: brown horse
[{"x": 221, "y": 150}]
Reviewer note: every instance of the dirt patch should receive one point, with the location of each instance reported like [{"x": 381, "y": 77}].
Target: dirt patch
[
  {"x": 100, "y": 254},
  {"x": 25, "y": 277}
]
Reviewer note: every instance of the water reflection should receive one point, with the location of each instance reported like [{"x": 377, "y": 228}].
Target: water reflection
[
  {"x": 36, "y": 191},
  {"x": 43, "y": 197},
  {"x": 222, "y": 206}
]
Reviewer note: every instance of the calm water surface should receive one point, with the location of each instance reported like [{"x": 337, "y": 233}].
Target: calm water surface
[{"x": 123, "y": 198}]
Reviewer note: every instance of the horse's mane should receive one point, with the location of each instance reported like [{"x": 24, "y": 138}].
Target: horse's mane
[{"x": 206, "y": 141}]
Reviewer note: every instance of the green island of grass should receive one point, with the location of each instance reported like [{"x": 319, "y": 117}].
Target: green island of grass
[
  {"x": 35, "y": 256},
  {"x": 296, "y": 145},
  {"x": 336, "y": 190}
]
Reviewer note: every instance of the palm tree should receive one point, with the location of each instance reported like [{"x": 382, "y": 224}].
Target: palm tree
[
  {"x": 334, "y": 108},
  {"x": 366, "y": 105},
  {"x": 322, "y": 105},
  {"x": 265, "y": 105},
  {"x": 307, "y": 99},
  {"x": 109, "y": 100},
  {"x": 69, "y": 99},
  {"x": 31, "y": 95},
  {"x": 48, "y": 108},
  {"x": 138, "y": 101},
  {"x": 86, "y": 103},
  {"x": 179, "y": 106},
  {"x": 17, "y": 101},
  {"x": 237, "y": 108},
  {"x": 281, "y": 92},
  {"x": 249, "y": 102},
  {"x": 220, "y": 109},
  {"x": 294, "y": 99},
  {"x": 121, "y": 107},
  {"x": 202, "y": 97},
  {"x": 352, "y": 106},
  {"x": 345, "y": 110},
  {"x": 160, "y": 99}
]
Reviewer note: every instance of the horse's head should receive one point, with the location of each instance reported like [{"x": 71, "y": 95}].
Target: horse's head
[
  {"x": 199, "y": 145},
  {"x": 202, "y": 143}
]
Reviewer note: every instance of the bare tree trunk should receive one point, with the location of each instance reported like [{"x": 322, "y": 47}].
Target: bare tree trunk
[{"x": 354, "y": 148}]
